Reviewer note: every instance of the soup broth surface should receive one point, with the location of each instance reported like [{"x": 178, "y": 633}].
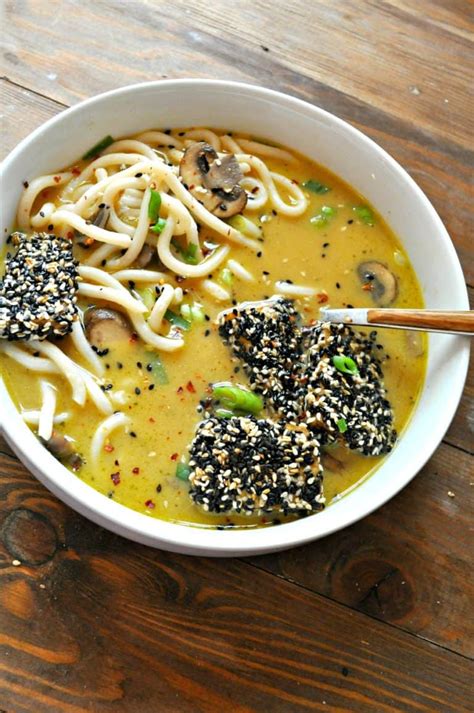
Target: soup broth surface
[{"x": 137, "y": 465}]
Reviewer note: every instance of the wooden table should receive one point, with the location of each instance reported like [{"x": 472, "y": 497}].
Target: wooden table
[{"x": 374, "y": 618}]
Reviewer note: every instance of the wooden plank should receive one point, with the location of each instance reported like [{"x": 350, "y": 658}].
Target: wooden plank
[
  {"x": 89, "y": 621},
  {"x": 410, "y": 563},
  {"x": 349, "y": 48}
]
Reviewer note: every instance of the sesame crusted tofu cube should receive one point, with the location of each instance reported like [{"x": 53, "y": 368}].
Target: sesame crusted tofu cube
[
  {"x": 241, "y": 482},
  {"x": 33, "y": 301}
]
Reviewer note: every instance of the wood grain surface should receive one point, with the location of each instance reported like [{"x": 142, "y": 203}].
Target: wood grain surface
[{"x": 377, "y": 617}]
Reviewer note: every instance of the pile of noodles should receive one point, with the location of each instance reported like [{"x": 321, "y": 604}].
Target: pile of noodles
[{"x": 122, "y": 178}]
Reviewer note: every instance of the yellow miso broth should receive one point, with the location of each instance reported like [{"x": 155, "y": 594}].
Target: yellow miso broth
[{"x": 321, "y": 249}]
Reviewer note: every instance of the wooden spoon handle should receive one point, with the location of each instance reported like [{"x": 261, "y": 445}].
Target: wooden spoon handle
[{"x": 443, "y": 321}]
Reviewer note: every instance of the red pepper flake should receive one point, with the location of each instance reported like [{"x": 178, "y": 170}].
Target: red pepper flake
[
  {"x": 133, "y": 338},
  {"x": 70, "y": 235},
  {"x": 135, "y": 471},
  {"x": 174, "y": 456},
  {"x": 368, "y": 287},
  {"x": 115, "y": 478},
  {"x": 151, "y": 419},
  {"x": 76, "y": 171},
  {"x": 322, "y": 297},
  {"x": 150, "y": 504},
  {"x": 190, "y": 387},
  {"x": 108, "y": 448},
  {"x": 57, "y": 179},
  {"x": 179, "y": 390},
  {"x": 255, "y": 190}
]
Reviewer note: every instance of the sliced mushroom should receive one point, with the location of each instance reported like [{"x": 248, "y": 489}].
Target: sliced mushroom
[
  {"x": 100, "y": 221},
  {"x": 105, "y": 327},
  {"x": 212, "y": 180},
  {"x": 62, "y": 448},
  {"x": 145, "y": 256},
  {"x": 382, "y": 283}
]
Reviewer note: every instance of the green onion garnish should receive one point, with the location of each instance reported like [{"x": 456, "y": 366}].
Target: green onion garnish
[
  {"x": 182, "y": 471},
  {"x": 365, "y": 214},
  {"x": 154, "y": 206},
  {"x": 147, "y": 296},
  {"x": 192, "y": 312},
  {"x": 99, "y": 147},
  {"x": 226, "y": 277},
  {"x": 189, "y": 254},
  {"x": 156, "y": 368},
  {"x": 177, "y": 321},
  {"x": 224, "y": 413},
  {"x": 323, "y": 217},
  {"x": 316, "y": 186},
  {"x": 237, "y": 398},
  {"x": 345, "y": 364},
  {"x": 159, "y": 226},
  {"x": 342, "y": 425}
]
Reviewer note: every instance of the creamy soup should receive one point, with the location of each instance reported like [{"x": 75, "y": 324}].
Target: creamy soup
[{"x": 169, "y": 229}]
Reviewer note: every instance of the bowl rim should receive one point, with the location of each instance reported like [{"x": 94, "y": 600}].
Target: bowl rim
[{"x": 196, "y": 540}]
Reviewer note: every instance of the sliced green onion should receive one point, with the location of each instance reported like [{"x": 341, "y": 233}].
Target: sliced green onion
[
  {"x": 244, "y": 225},
  {"x": 319, "y": 221},
  {"x": 177, "y": 321},
  {"x": 224, "y": 413},
  {"x": 342, "y": 425},
  {"x": 186, "y": 312},
  {"x": 237, "y": 398},
  {"x": 327, "y": 210},
  {"x": 197, "y": 313},
  {"x": 182, "y": 471},
  {"x": 345, "y": 364},
  {"x": 189, "y": 254},
  {"x": 158, "y": 371},
  {"x": 154, "y": 206},
  {"x": 99, "y": 147},
  {"x": 226, "y": 276},
  {"x": 365, "y": 214},
  {"x": 147, "y": 296},
  {"x": 159, "y": 226},
  {"x": 316, "y": 186}
]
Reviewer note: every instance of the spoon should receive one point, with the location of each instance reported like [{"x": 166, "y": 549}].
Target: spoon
[{"x": 423, "y": 320}]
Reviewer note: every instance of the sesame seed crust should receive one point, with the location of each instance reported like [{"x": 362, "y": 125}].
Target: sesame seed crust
[
  {"x": 39, "y": 287},
  {"x": 253, "y": 466}
]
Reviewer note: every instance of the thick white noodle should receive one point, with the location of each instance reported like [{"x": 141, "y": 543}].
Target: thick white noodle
[
  {"x": 26, "y": 359},
  {"x": 159, "y": 308},
  {"x": 108, "y": 288},
  {"x": 269, "y": 179},
  {"x": 92, "y": 231},
  {"x": 31, "y": 193},
  {"x": 96, "y": 395},
  {"x": 122, "y": 184},
  {"x": 42, "y": 217},
  {"x": 81, "y": 344},
  {"x": 103, "y": 430},
  {"x": 255, "y": 147},
  {"x": 230, "y": 144},
  {"x": 184, "y": 221},
  {"x": 32, "y": 417},
  {"x": 99, "y": 255},
  {"x": 100, "y": 173},
  {"x": 180, "y": 267},
  {"x": 203, "y": 135},
  {"x": 240, "y": 271},
  {"x": 70, "y": 370},
  {"x": 46, "y": 418},
  {"x": 256, "y": 192},
  {"x": 132, "y": 145},
  {"x": 99, "y": 292},
  {"x": 215, "y": 290},
  {"x": 159, "y": 138},
  {"x": 290, "y": 290},
  {"x": 108, "y": 161},
  {"x": 165, "y": 344},
  {"x": 139, "y": 276},
  {"x": 138, "y": 237}
]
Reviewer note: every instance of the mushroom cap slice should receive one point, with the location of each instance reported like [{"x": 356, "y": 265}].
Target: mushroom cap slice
[
  {"x": 105, "y": 327},
  {"x": 212, "y": 180},
  {"x": 384, "y": 286}
]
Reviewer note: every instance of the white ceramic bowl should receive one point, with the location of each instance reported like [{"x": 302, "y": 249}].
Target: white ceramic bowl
[{"x": 348, "y": 153}]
